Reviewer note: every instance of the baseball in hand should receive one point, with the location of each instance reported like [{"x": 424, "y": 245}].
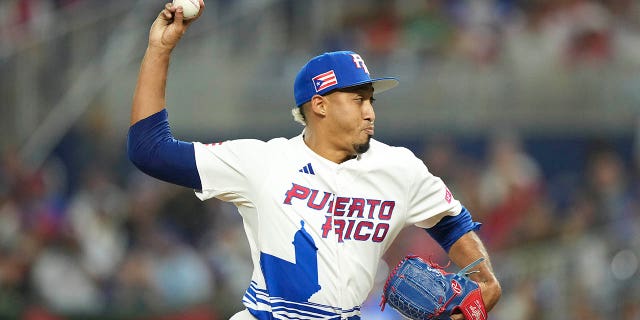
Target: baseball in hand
[{"x": 190, "y": 8}]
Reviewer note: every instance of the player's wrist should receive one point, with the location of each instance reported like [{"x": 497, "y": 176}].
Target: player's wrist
[
  {"x": 491, "y": 292},
  {"x": 158, "y": 50}
]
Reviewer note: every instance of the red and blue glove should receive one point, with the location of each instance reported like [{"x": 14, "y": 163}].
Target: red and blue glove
[{"x": 421, "y": 290}]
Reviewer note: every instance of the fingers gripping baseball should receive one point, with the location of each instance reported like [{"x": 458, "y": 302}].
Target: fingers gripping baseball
[{"x": 170, "y": 25}]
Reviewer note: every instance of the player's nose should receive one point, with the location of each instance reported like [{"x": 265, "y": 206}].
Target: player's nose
[{"x": 368, "y": 113}]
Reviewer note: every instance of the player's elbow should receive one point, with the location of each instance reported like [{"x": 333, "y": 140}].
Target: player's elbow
[
  {"x": 153, "y": 150},
  {"x": 148, "y": 142},
  {"x": 139, "y": 155},
  {"x": 164, "y": 158},
  {"x": 136, "y": 156}
]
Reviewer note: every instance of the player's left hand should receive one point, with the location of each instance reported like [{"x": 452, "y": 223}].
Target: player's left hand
[
  {"x": 484, "y": 289},
  {"x": 421, "y": 290}
]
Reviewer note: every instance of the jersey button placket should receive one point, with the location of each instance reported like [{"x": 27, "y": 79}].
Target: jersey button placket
[{"x": 339, "y": 245}]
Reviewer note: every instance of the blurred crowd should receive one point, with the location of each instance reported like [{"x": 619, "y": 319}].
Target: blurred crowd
[
  {"x": 482, "y": 32},
  {"x": 87, "y": 235},
  {"x": 532, "y": 36}
]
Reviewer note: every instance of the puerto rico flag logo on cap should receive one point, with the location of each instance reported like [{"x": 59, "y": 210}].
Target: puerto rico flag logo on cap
[{"x": 324, "y": 80}]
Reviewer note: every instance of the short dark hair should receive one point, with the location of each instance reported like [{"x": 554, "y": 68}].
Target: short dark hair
[{"x": 364, "y": 86}]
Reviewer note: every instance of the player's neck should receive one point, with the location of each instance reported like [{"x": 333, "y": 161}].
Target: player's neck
[{"x": 326, "y": 149}]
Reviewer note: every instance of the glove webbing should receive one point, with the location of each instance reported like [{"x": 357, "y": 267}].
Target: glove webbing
[{"x": 383, "y": 302}]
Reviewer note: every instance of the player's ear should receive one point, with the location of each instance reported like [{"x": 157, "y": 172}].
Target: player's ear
[{"x": 318, "y": 105}]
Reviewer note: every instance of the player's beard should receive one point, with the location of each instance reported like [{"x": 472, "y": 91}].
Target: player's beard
[{"x": 361, "y": 148}]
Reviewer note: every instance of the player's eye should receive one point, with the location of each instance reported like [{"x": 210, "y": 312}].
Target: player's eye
[{"x": 362, "y": 99}]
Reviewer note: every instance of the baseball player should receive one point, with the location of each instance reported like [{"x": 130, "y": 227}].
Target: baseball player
[{"x": 319, "y": 209}]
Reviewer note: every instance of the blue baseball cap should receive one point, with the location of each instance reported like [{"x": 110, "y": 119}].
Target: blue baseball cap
[{"x": 335, "y": 70}]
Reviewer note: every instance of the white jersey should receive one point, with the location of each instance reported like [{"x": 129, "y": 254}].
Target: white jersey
[{"x": 318, "y": 229}]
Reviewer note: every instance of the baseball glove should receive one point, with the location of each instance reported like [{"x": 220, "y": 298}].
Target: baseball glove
[{"x": 421, "y": 290}]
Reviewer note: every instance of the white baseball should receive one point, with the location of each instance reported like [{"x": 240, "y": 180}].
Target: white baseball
[{"x": 190, "y": 8}]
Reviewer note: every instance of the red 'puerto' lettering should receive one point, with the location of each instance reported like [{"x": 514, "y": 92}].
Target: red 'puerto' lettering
[
  {"x": 311, "y": 203},
  {"x": 365, "y": 223},
  {"x": 297, "y": 191},
  {"x": 341, "y": 205},
  {"x": 357, "y": 204},
  {"x": 386, "y": 210},
  {"x": 373, "y": 203}
]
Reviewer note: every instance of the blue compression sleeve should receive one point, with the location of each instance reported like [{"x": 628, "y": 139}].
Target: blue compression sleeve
[
  {"x": 152, "y": 148},
  {"x": 450, "y": 228}
]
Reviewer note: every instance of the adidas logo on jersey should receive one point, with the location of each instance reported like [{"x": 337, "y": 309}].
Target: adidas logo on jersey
[{"x": 308, "y": 169}]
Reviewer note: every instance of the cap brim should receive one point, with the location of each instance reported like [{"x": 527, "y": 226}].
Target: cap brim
[
  {"x": 383, "y": 84},
  {"x": 379, "y": 84}
]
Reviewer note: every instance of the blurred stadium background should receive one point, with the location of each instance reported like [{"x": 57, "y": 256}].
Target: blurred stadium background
[{"x": 528, "y": 109}]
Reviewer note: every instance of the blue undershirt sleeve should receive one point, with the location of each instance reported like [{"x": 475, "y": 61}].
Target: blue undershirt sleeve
[
  {"x": 450, "y": 228},
  {"x": 152, "y": 149}
]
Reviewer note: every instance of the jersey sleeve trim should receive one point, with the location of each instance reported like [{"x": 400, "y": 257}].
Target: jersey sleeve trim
[
  {"x": 450, "y": 228},
  {"x": 153, "y": 150}
]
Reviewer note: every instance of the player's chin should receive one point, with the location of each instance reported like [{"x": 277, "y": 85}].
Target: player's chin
[{"x": 362, "y": 147}]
